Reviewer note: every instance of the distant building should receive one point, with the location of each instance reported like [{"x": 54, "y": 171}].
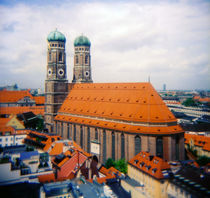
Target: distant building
[
  {"x": 199, "y": 143},
  {"x": 164, "y": 87},
  {"x": 16, "y": 98},
  {"x": 189, "y": 182}
]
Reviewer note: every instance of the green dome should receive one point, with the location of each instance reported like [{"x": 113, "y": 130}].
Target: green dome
[
  {"x": 82, "y": 40},
  {"x": 56, "y": 36}
]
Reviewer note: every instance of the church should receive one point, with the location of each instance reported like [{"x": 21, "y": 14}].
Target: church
[{"x": 110, "y": 120}]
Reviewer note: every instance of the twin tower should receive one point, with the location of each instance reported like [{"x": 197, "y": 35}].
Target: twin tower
[{"x": 56, "y": 83}]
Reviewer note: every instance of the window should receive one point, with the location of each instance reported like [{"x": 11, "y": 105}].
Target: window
[
  {"x": 88, "y": 139},
  {"x": 81, "y": 136},
  {"x": 137, "y": 144},
  {"x": 96, "y": 133},
  {"x": 122, "y": 146},
  {"x": 86, "y": 59},
  {"x": 6, "y": 139},
  {"x": 159, "y": 147},
  {"x": 68, "y": 135},
  {"x": 50, "y": 57},
  {"x": 113, "y": 145},
  {"x": 77, "y": 59},
  {"x": 177, "y": 147},
  {"x": 74, "y": 132},
  {"x": 60, "y": 56},
  {"x": 0, "y": 139},
  {"x": 104, "y": 146}
]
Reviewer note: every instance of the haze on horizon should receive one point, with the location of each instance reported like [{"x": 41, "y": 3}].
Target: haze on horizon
[{"x": 130, "y": 40}]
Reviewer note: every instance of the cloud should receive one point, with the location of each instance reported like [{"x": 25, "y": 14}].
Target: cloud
[{"x": 168, "y": 40}]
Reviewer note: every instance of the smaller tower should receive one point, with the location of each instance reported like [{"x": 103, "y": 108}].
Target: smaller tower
[{"x": 82, "y": 60}]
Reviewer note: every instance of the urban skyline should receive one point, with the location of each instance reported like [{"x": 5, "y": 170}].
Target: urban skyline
[{"x": 166, "y": 40}]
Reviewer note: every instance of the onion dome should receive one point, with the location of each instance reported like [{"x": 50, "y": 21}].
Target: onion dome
[
  {"x": 82, "y": 41},
  {"x": 56, "y": 36}
]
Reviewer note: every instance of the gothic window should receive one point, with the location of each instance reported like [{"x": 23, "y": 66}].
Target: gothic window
[
  {"x": 86, "y": 59},
  {"x": 137, "y": 145},
  {"x": 113, "y": 145},
  {"x": 60, "y": 56},
  {"x": 74, "y": 132},
  {"x": 177, "y": 148},
  {"x": 68, "y": 131},
  {"x": 81, "y": 136},
  {"x": 96, "y": 134},
  {"x": 159, "y": 147},
  {"x": 88, "y": 139},
  {"x": 104, "y": 146},
  {"x": 61, "y": 129},
  {"x": 50, "y": 57},
  {"x": 77, "y": 59},
  {"x": 122, "y": 146}
]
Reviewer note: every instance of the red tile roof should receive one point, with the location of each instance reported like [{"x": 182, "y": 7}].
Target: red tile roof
[
  {"x": 152, "y": 165},
  {"x": 39, "y": 100},
  {"x": 18, "y": 110},
  {"x": 199, "y": 140},
  {"x": 71, "y": 165},
  {"x": 13, "y": 96},
  {"x": 108, "y": 105}
]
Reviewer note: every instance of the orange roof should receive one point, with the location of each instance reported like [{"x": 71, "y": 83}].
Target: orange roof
[
  {"x": 13, "y": 96},
  {"x": 39, "y": 99},
  {"x": 4, "y": 121},
  {"x": 121, "y": 127},
  {"x": 206, "y": 99},
  {"x": 199, "y": 140},
  {"x": 149, "y": 164},
  {"x": 57, "y": 149},
  {"x": 18, "y": 110},
  {"x": 47, "y": 178},
  {"x": 116, "y": 106},
  {"x": 6, "y": 129}
]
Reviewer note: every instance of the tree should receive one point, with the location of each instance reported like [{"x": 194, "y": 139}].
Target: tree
[
  {"x": 189, "y": 102},
  {"x": 120, "y": 165},
  {"x": 203, "y": 160},
  {"x": 109, "y": 163}
]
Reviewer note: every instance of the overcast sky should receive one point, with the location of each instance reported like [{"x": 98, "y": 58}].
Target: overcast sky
[{"x": 130, "y": 40}]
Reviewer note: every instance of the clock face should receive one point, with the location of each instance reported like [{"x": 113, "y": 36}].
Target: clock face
[
  {"x": 49, "y": 72},
  {"x": 60, "y": 72},
  {"x": 87, "y": 73}
]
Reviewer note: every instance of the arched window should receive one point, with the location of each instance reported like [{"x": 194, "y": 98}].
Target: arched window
[
  {"x": 88, "y": 139},
  {"x": 113, "y": 145},
  {"x": 60, "y": 58},
  {"x": 177, "y": 147},
  {"x": 137, "y": 145},
  {"x": 96, "y": 134},
  {"x": 61, "y": 129},
  {"x": 74, "y": 132},
  {"x": 104, "y": 145},
  {"x": 86, "y": 59},
  {"x": 77, "y": 59},
  {"x": 68, "y": 131},
  {"x": 159, "y": 147},
  {"x": 122, "y": 146},
  {"x": 81, "y": 136},
  {"x": 50, "y": 57}
]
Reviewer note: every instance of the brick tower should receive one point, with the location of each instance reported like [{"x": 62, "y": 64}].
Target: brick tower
[
  {"x": 56, "y": 84},
  {"x": 82, "y": 60}
]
